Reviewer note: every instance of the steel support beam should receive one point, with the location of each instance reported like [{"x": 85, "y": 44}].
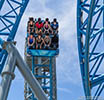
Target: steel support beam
[
  {"x": 25, "y": 71},
  {"x": 1, "y": 3},
  {"x": 87, "y": 82},
  {"x": 14, "y": 58},
  {"x": 97, "y": 81},
  {"x": 7, "y": 75},
  {"x": 28, "y": 76}
]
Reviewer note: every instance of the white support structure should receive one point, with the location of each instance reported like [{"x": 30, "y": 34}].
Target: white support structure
[
  {"x": 16, "y": 59},
  {"x": 7, "y": 76}
]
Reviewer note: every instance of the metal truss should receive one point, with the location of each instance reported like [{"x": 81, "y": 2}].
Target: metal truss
[
  {"x": 10, "y": 16},
  {"x": 1, "y": 3},
  {"x": 90, "y": 35},
  {"x": 11, "y": 12},
  {"x": 3, "y": 56},
  {"x": 44, "y": 69}
]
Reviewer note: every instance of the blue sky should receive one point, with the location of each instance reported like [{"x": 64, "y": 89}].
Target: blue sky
[{"x": 68, "y": 70}]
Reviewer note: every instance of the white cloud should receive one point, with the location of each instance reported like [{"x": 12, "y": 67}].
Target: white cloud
[{"x": 64, "y": 90}]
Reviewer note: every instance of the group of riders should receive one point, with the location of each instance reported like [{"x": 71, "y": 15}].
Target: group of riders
[{"x": 42, "y": 34}]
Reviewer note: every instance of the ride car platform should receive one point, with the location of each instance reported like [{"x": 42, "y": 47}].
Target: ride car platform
[{"x": 42, "y": 53}]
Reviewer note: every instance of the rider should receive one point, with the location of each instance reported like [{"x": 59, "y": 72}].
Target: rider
[
  {"x": 47, "y": 27},
  {"x": 39, "y": 26},
  {"x": 54, "y": 26},
  {"x": 47, "y": 41},
  {"x": 31, "y": 26},
  {"x": 39, "y": 42},
  {"x": 31, "y": 42},
  {"x": 55, "y": 42}
]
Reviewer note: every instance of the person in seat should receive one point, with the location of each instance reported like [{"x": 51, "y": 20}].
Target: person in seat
[
  {"x": 31, "y": 26},
  {"x": 39, "y": 42},
  {"x": 55, "y": 42},
  {"x": 54, "y": 26},
  {"x": 47, "y": 41},
  {"x": 39, "y": 26},
  {"x": 31, "y": 42},
  {"x": 47, "y": 27}
]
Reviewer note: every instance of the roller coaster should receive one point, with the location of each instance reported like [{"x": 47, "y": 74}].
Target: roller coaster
[
  {"x": 43, "y": 50},
  {"x": 39, "y": 67}
]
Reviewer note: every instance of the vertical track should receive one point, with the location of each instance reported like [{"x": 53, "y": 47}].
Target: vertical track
[
  {"x": 90, "y": 30},
  {"x": 47, "y": 77},
  {"x": 44, "y": 69}
]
